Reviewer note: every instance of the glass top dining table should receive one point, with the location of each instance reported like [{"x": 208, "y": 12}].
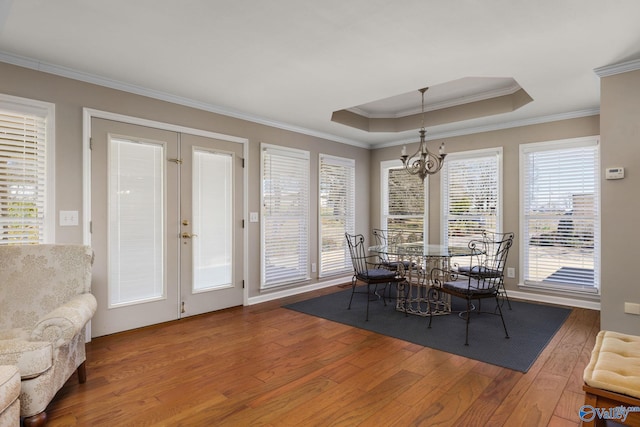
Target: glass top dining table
[
  {"x": 417, "y": 260},
  {"x": 420, "y": 249}
]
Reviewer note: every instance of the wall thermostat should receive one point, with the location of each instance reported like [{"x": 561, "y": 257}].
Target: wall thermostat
[{"x": 614, "y": 173}]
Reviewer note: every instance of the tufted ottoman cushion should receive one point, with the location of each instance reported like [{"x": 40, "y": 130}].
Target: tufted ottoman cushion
[
  {"x": 615, "y": 364},
  {"x": 9, "y": 392}
]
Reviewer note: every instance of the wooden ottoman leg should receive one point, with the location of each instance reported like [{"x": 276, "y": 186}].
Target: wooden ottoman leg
[{"x": 609, "y": 405}]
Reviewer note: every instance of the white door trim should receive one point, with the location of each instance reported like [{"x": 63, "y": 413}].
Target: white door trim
[{"x": 90, "y": 113}]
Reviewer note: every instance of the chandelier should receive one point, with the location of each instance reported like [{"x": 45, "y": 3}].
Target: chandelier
[{"x": 423, "y": 162}]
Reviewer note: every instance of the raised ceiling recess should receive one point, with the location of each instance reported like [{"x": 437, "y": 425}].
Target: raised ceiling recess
[{"x": 455, "y": 101}]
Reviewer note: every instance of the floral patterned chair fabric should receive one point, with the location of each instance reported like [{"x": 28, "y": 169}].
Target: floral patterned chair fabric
[
  {"x": 45, "y": 304},
  {"x": 9, "y": 392}
]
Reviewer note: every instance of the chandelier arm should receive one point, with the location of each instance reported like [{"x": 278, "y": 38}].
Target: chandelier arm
[{"x": 426, "y": 162}]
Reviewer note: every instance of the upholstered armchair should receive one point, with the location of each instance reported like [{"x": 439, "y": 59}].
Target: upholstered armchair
[
  {"x": 45, "y": 304},
  {"x": 9, "y": 393}
]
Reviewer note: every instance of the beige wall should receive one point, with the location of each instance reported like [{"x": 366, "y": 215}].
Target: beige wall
[
  {"x": 509, "y": 140},
  {"x": 70, "y": 96},
  {"x": 620, "y": 130}
]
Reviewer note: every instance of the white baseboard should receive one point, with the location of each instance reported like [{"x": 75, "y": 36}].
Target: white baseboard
[
  {"x": 299, "y": 290},
  {"x": 524, "y": 296},
  {"x": 551, "y": 299}
]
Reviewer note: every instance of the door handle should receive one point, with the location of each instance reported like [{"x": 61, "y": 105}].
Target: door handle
[{"x": 186, "y": 235}]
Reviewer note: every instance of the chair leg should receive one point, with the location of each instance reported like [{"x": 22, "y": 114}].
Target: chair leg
[
  {"x": 368, "y": 298},
  {"x": 466, "y": 339},
  {"x": 504, "y": 325},
  {"x": 82, "y": 373},
  {"x": 353, "y": 290},
  {"x": 37, "y": 420},
  {"x": 503, "y": 291}
]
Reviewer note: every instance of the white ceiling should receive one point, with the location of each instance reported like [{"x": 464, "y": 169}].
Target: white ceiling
[{"x": 291, "y": 63}]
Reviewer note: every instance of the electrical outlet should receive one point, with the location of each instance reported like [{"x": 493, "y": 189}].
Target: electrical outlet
[
  {"x": 68, "y": 218},
  {"x": 631, "y": 308},
  {"x": 511, "y": 272},
  {"x": 313, "y": 267}
]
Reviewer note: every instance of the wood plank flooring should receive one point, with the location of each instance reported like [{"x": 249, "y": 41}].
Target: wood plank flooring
[{"x": 266, "y": 365}]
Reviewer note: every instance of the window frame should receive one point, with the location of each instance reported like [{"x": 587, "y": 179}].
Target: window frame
[
  {"x": 496, "y": 152},
  {"x": 385, "y": 166},
  {"x": 546, "y": 146},
  {"x": 46, "y": 111},
  {"x": 304, "y": 157},
  {"x": 349, "y": 166}
]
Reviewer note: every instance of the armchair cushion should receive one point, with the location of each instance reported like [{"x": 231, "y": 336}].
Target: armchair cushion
[
  {"x": 9, "y": 392},
  {"x": 31, "y": 357}
]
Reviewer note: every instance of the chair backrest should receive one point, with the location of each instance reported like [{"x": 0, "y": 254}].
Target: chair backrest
[
  {"x": 489, "y": 261},
  {"x": 358, "y": 252},
  {"x": 496, "y": 247},
  {"x": 380, "y": 236},
  {"x": 392, "y": 238},
  {"x": 35, "y": 279}
]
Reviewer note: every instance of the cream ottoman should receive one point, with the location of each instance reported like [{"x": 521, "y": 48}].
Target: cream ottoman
[
  {"x": 9, "y": 392},
  {"x": 612, "y": 380}
]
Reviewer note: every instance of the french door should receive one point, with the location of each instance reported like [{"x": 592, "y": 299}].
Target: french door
[{"x": 166, "y": 226}]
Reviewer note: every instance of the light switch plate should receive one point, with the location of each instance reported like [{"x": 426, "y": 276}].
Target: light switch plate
[
  {"x": 253, "y": 216},
  {"x": 68, "y": 218}
]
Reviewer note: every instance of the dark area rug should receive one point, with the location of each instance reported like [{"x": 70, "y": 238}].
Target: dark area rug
[{"x": 531, "y": 326}]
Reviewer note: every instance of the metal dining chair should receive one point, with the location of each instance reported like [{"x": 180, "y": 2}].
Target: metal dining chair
[
  {"x": 491, "y": 244},
  {"x": 368, "y": 269},
  {"x": 482, "y": 280}
]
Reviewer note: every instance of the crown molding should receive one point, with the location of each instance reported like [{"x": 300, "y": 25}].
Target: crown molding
[
  {"x": 61, "y": 71},
  {"x": 496, "y": 126},
  {"x": 623, "y": 67},
  {"x": 481, "y": 96},
  {"x": 45, "y": 67}
]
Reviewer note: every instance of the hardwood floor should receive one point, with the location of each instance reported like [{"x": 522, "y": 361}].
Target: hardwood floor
[{"x": 266, "y": 365}]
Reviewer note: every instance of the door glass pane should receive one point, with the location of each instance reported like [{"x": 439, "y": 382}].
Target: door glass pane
[
  {"x": 212, "y": 214},
  {"x": 136, "y": 221}
]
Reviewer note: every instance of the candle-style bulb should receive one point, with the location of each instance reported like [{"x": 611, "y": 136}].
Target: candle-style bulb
[{"x": 404, "y": 150}]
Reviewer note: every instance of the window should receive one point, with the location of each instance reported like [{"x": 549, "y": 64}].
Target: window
[
  {"x": 285, "y": 213},
  {"x": 403, "y": 199},
  {"x": 560, "y": 187},
  {"x": 26, "y": 171},
  {"x": 337, "y": 212},
  {"x": 471, "y": 195}
]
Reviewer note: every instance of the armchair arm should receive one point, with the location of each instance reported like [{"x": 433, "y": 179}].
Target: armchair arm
[{"x": 63, "y": 323}]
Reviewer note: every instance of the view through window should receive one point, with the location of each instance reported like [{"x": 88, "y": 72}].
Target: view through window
[{"x": 561, "y": 217}]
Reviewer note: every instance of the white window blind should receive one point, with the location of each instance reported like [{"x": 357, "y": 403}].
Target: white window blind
[
  {"x": 561, "y": 225},
  {"x": 212, "y": 220},
  {"x": 24, "y": 216},
  {"x": 471, "y": 195},
  {"x": 337, "y": 212},
  {"x": 137, "y": 204},
  {"x": 403, "y": 201},
  {"x": 285, "y": 212}
]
